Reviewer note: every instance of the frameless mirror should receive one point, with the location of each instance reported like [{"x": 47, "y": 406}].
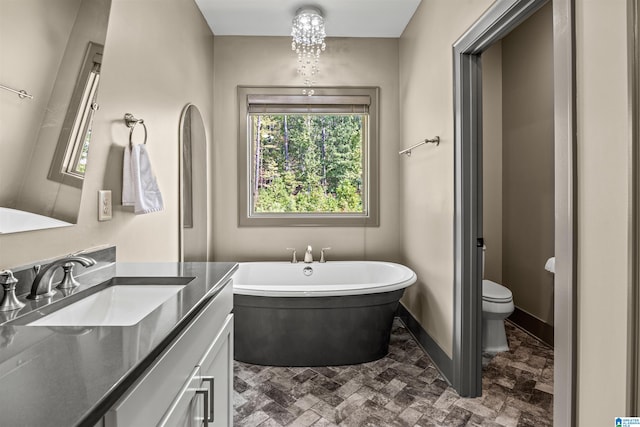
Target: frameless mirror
[
  {"x": 193, "y": 186},
  {"x": 53, "y": 51}
]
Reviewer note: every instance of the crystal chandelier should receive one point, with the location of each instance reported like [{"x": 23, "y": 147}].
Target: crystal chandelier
[{"x": 308, "y": 41}]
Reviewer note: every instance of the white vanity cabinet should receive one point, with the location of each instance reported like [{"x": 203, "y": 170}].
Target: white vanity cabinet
[
  {"x": 216, "y": 372},
  {"x": 207, "y": 392},
  {"x": 191, "y": 380},
  {"x": 187, "y": 410}
]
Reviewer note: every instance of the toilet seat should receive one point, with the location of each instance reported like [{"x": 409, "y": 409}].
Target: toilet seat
[{"x": 496, "y": 293}]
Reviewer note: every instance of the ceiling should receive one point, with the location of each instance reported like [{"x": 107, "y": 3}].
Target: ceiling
[{"x": 343, "y": 18}]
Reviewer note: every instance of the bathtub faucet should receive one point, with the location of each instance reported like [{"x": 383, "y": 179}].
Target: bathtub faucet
[
  {"x": 293, "y": 255},
  {"x": 308, "y": 256},
  {"x": 322, "y": 259}
]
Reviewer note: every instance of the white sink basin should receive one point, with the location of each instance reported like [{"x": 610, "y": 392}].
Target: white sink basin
[{"x": 123, "y": 305}]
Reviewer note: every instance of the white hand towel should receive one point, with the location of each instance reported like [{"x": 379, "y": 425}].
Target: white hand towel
[
  {"x": 146, "y": 194},
  {"x": 550, "y": 265},
  {"x": 128, "y": 192}
]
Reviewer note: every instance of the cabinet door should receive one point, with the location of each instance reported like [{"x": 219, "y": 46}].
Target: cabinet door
[
  {"x": 216, "y": 372},
  {"x": 188, "y": 408}
]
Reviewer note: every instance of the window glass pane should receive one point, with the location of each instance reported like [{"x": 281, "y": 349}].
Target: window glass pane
[
  {"x": 308, "y": 163},
  {"x": 81, "y": 164},
  {"x": 81, "y": 134}
]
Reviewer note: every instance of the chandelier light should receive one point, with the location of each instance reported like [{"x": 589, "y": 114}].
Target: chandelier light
[{"x": 308, "y": 41}]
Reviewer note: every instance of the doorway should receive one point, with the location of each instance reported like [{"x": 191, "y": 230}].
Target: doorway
[
  {"x": 517, "y": 167},
  {"x": 497, "y": 22}
]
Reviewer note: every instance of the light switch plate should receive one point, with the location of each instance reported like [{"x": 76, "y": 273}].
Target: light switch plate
[{"x": 104, "y": 205}]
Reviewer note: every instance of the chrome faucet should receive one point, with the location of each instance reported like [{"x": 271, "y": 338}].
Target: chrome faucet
[
  {"x": 9, "y": 300},
  {"x": 322, "y": 259},
  {"x": 293, "y": 255},
  {"x": 308, "y": 256},
  {"x": 41, "y": 287}
]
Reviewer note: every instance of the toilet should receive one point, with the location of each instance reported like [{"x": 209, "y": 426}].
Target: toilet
[{"x": 497, "y": 305}]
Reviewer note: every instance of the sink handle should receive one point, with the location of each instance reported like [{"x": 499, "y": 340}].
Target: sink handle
[
  {"x": 68, "y": 281},
  {"x": 9, "y": 300}
]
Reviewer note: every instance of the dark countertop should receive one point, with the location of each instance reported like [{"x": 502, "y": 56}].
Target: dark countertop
[{"x": 63, "y": 376}]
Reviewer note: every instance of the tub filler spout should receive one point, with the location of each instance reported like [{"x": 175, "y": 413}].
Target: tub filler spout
[{"x": 308, "y": 255}]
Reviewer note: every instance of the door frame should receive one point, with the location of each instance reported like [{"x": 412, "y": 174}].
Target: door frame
[
  {"x": 633, "y": 356},
  {"x": 500, "y": 19}
]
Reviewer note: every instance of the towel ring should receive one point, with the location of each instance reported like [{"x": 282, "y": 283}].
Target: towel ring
[{"x": 131, "y": 122}]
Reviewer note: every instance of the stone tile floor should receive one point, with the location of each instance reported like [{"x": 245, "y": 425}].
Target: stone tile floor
[{"x": 402, "y": 389}]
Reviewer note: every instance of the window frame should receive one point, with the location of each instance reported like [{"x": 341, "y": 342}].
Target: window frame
[
  {"x": 369, "y": 218},
  {"x": 77, "y": 125}
]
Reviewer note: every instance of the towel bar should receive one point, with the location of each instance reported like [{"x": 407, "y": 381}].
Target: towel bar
[
  {"x": 407, "y": 151},
  {"x": 131, "y": 122},
  {"x": 21, "y": 93}
]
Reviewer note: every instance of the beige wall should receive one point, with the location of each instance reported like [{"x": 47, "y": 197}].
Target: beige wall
[
  {"x": 492, "y": 160},
  {"x": 603, "y": 207},
  {"x": 528, "y": 183},
  {"x": 263, "y": 61},
  {"x": 426, "y": 178},
  {"x": 158, "y": 57}
]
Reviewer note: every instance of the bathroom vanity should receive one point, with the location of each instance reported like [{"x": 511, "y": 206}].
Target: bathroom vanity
[
  {"x": 191, "y": 380},
  {"x": 174, "y": 367}
]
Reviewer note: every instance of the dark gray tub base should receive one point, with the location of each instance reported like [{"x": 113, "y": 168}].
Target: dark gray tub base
[{"x": 313, "y": 331}]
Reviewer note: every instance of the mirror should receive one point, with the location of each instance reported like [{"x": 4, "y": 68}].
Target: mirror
[
  {"x": 53, "y": 51},
  {"x": 194, "y": 226}
]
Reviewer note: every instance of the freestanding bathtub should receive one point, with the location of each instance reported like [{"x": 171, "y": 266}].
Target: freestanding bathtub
[{"x": 318, "y": 314}]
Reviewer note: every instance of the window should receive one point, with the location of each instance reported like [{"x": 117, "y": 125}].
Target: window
[
  {"x": 308, "y": 160},
  {"x": 70, "y": 158}
]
